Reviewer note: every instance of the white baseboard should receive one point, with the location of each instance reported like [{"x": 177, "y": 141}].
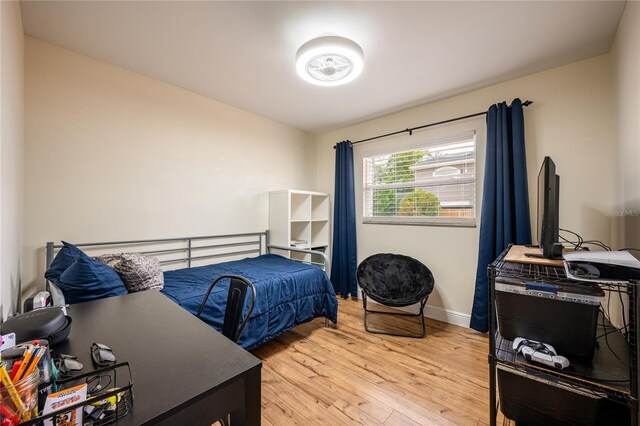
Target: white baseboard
[
  {"x": 438, "y": 314},
  {"x": 447, "y": 315}
]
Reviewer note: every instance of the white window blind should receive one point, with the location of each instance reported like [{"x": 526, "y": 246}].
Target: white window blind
[{"x": 432, "y": 184}]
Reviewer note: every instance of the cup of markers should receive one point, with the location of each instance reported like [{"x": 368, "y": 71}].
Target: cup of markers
[{"x": 19, "y": 399}]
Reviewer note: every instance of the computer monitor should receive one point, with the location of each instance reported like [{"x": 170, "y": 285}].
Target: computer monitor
[{"x": 549, "y": 210}]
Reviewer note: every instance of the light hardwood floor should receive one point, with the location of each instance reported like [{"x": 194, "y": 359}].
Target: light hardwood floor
[{"x": 344, "y": 376}]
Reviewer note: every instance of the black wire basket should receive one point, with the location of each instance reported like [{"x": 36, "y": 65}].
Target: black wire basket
[{"x": 114, "y": 382}]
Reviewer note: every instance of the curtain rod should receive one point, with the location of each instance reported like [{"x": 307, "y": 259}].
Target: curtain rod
[{"x": 411, "y": 130}]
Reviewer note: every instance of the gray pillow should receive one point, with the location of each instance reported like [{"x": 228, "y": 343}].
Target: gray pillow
[
  {"x": 138, "y": 272},
  {"x": 110, "y": 259}
]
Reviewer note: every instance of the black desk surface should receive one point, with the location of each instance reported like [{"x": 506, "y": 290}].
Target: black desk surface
[{"x": 175, "y": 358}]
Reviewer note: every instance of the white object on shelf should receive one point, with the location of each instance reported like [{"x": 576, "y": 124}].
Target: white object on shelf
[
  {"x": 299, "y": 219},
  {"x": 299, "y": 244},
  {"x": 601, "y": 266},
  {"x": 540, "y": 352},
  {"x": 618, "y": 258}
]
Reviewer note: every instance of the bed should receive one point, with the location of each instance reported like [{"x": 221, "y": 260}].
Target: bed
[{"x": 289, "y": 291}]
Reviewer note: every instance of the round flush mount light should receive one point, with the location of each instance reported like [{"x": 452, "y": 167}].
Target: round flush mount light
[{"x": 329, "y": 61}]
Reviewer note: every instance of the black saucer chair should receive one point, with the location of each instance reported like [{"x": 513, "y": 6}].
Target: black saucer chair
[{"x": 397, "y": 281}]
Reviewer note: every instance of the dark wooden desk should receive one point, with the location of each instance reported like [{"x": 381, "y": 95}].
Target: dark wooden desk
[{"x": 184, "y": 372}]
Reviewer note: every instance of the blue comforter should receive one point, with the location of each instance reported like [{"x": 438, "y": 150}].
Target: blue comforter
[{"x": 288, "y": 293}]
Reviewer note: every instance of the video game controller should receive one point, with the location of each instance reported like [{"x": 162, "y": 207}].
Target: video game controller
[{"x": 540, "y": 352}]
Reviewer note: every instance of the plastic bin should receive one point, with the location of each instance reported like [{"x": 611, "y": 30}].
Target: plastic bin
[{"x": 562, "y": 315}]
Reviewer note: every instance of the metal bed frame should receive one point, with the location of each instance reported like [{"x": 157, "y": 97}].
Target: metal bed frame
[
  {"x": 258, "y": 243},
  {"x": 193, "y": 251}
]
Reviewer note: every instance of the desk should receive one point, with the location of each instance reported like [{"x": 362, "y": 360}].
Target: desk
[{"x": 184, "y": 372}]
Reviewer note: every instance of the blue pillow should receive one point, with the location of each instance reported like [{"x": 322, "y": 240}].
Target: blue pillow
[
  {"x": 65, "y": 257},
  {"x": 88, "y": 279}
]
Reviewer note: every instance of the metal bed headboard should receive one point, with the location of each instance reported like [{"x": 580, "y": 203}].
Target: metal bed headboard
[
  {"x": 184, "y": 250},
  {"x": 190, "y": 250}
]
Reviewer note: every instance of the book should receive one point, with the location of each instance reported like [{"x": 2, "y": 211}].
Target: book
[{"x": 299, "y": 243}]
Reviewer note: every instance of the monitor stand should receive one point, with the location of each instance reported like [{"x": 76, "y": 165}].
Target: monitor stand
[{"x": 556, "y": 252}]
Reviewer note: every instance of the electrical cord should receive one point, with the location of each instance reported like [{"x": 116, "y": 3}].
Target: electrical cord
[
  {"x": 597, "y": 243},
  {"x": 604, "y": 326},
  {"x": 582, "y": 241},
  {"x": 624, "y": 319},
  {"x": 606, "y": 337},
  {"x": 582, "y": 244},
  {"x": 613, "y": 330},
  {"x": 577, "y": 246}
]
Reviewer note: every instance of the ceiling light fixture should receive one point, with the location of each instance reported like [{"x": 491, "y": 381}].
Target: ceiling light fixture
[{"x": 329, "y": 61}]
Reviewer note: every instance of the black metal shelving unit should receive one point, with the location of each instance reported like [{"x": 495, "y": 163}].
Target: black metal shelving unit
[{"x": 612, "y": 374}]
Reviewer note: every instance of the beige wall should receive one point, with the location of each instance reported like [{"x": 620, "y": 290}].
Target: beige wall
[
  {"x": 570, "y": 120},
  {"x": 11, "y": 154},
  {"x": 625, "y": 213},
  {"x": 626, "y": 73},
  {"x": 112, "y": 155}
]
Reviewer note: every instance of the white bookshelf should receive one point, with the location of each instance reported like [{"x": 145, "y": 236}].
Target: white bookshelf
[{"x": 299, "y": 216}]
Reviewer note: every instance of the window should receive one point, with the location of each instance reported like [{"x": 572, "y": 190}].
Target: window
[
  {"x": 433, "y": 184},
  {"x": 446, "y": 170}
]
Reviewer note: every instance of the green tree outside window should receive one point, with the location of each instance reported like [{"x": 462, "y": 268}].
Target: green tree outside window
[{"x": 403, "y": 201}]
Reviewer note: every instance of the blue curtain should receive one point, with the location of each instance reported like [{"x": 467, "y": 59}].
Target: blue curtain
[
  {"x": 343, "y": 255},
  {"x": 505, "y": 199}
]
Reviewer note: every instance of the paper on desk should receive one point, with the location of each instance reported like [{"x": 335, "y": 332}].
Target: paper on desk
[
  {"x": 65, "y": 398},
  {"x": 7, "y": 341}
]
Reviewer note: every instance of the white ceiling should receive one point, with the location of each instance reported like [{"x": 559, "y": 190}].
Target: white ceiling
[{"x": 242, "y": 53}]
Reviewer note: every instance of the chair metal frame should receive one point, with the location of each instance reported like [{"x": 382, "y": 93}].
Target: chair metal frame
[
  {"x": 422, "y": 302},
  {"x": 232, "y": 327},
  {"x": 236, "y": 296}
]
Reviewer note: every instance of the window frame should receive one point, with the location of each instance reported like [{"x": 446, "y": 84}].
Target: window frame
[
  {"x": 421, "y": 220},
  {"x": 456, "y": 171}
]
